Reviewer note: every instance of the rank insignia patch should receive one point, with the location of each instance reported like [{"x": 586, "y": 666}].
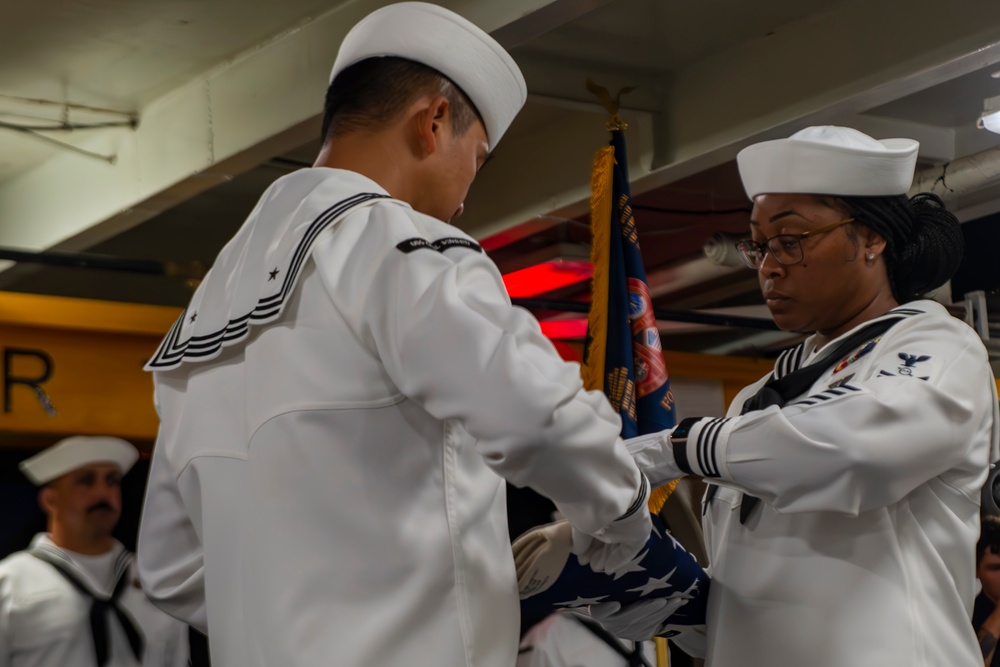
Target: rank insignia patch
[
  {"x": 909, "y": 361},
  {"x": 912, "y": 359}
]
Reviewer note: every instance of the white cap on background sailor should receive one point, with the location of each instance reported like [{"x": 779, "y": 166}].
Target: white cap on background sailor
[
  {"x": 72, "y": 453},
  {"x": 829, "y": 160},
  {"x": 455, "y": 47}
]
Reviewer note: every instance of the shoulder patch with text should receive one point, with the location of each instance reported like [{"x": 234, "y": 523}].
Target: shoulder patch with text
[{"x": 440, "y": 245}]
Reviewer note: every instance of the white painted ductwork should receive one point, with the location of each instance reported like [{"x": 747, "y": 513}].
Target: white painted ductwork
[
  {"x": 960, "y": 177},
  {"x": 667, "y": 280},
  {"x": 721, "y": 249}
]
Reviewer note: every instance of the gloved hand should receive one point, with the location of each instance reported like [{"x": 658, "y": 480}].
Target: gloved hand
[
  {"x": 617, "y": 544},
  {"x": 639, "y": 621},
  {"x": 551, "y": 578},
  {"x": 540, "y": 556}
]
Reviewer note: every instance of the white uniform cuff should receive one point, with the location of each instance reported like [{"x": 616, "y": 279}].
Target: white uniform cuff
[{"x": 654, "y": 457}]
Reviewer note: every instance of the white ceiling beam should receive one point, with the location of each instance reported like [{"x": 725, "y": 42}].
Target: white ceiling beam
[
  {"x": 261, "y": 103},
  {"x": 970, "y": 139},
  {"x": 830, "y": 65},
  {"x": 267, "y": 100},
  {"x": 544, "y": 18},
  {"x": 937, "y": 144}
]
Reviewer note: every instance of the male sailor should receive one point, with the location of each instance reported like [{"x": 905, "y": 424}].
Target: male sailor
[
  {"x": 72, "y": 598},
  {"x": 349, "y": 387}
]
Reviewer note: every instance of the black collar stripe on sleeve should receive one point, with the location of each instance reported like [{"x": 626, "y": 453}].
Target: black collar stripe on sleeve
[
  {"x": 710, "y": 436},
  {"x": 705, "y": 447},
  {"x": 639, "y": 501}
]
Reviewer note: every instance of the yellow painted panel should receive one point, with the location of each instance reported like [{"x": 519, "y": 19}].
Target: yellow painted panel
[
  {"x": 85, "y": 314},
  {"x": 737, "y": 370},
  {"x": 58, "y": 382},
  {"x": 74, "y": 366}
]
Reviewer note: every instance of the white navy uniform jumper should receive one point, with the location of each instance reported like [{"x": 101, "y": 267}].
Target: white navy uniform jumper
[
  {"x": 45, "y": 617},
  {"x": 339, "y": 406},
  {"x": 861, "y": 550}
]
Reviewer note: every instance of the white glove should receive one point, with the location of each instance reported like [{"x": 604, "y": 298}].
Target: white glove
[
  {"x": 617, "y": 544},
  {"x": 540, "y": 556},
  {"x": 639, "y": 621},
  {"x": 654, "y": 455}
]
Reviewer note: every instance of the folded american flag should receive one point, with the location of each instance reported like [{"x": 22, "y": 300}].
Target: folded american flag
[{"x": 550, "y": 577}]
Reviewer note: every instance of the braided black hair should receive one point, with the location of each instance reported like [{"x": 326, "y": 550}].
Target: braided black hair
[{"x": 924, "y": 243}]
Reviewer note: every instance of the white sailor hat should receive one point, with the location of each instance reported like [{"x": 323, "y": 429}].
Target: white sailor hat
[
  {"x": 829, "y": 160},
  {"x": 76, "y": 452},
  {"x": 455, "y": 47}
]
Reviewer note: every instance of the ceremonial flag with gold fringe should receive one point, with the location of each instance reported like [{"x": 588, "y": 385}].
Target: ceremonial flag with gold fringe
[{"x": 624, "y": 358}]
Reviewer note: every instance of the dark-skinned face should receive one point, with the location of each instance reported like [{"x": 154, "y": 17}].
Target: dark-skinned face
[{"x": 833, "y": 284}]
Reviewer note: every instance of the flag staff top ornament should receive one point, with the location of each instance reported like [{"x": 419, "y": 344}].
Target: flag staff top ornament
[{"x": 612, "y": 104}]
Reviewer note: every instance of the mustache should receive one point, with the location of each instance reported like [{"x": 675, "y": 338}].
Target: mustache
[{"x": 103, "y": 505}]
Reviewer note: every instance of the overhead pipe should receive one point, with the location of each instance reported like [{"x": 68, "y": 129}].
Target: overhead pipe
[
  {"x": 721, "y": 249},
  {"x": 87, "y": 260},
  {"x": 959, "y": 177},
  {"x": 196, "y": 271},
  {"x": 689, "y": 317}
]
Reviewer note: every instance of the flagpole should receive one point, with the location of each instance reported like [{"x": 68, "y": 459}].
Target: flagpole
[{"x": 601, "y": 206}]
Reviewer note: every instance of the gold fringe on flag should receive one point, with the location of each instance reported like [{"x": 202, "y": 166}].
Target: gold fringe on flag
[
  {"x": 600, "y": 230},
  {"x": 658, "y": 498}
]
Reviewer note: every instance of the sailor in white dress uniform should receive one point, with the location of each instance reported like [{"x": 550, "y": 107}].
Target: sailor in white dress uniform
[
  {"x": 349, "y": 387},
  {"x": 843, "y": 509},
  {"x": 72, "y": 597}
]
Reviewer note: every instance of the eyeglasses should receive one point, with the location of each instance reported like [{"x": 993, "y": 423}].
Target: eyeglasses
[{"x": 785, "y": 248}]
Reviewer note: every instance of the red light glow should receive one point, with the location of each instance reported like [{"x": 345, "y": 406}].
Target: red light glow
[
  {"x": 546, "y": 277},
  {"x": 565, "y": 329}
]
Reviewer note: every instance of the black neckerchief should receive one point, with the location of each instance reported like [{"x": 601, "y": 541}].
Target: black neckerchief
[
  {"x": 100, "y": 609},
  {"x": 780, "y": 390}
]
